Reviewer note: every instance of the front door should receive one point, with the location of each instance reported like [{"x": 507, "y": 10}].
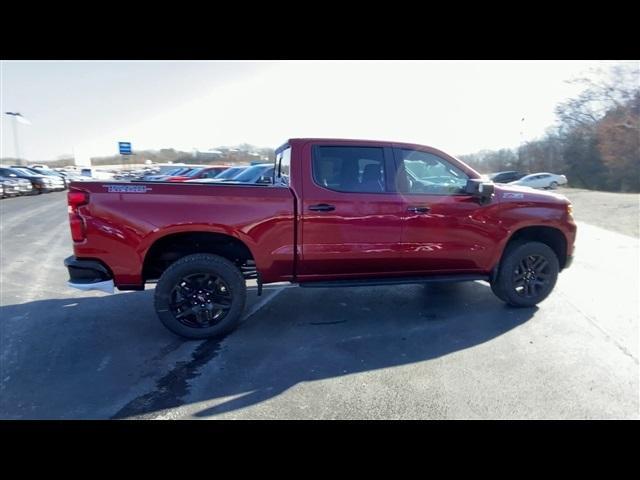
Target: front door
[
  {"x": 443, "y": 229},
  {"x": 351, "y": 216}
]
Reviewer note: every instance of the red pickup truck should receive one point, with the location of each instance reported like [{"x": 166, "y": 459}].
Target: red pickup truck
[{"x": 336, "y": 213}]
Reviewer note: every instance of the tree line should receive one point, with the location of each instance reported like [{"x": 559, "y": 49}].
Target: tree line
[{"x": 595, "y": 142}]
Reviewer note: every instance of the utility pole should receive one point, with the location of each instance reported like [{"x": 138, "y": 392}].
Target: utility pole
[
  {"x": 17, "y": 117},
  {"x": 16, "y": 143}
]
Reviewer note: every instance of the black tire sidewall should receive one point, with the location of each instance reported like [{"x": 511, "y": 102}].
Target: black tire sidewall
[
  {"x": 512, "y": 256},
  {"x": 201, "y": 263}
]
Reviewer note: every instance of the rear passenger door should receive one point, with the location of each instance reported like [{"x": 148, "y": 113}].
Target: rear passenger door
[{"x": 351, "y": 214}]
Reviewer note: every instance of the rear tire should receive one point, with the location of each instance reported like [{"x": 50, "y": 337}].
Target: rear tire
[
  {"x": 553, "y": 185},
  {"x": 527, "y": 274},
  {"x": 201, "y": 296}
]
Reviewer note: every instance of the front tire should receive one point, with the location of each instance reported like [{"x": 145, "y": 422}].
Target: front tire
[
  {"x": 201, "y": 296},
  {"x": 528, "y": 272},
  {"x": 553, "y": 185}
]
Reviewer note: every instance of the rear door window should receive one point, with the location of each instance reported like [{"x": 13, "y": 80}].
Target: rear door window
[{"x": 350, "y": 169}]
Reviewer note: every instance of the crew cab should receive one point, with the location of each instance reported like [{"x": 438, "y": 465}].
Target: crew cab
[{"x": 336, "y": 213}]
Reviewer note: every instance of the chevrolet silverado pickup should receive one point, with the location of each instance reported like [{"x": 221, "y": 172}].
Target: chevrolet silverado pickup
[{"x": 334, "y": 213}]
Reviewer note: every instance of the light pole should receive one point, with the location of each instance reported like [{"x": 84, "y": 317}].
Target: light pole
[
  {"x": 17, "y": 117},
  {"x": 521, "y": 144}
]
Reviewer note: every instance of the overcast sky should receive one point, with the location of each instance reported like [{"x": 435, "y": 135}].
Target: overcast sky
[{"x": 457, "y": 106}]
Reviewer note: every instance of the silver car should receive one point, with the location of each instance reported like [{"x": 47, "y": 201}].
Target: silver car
[{"x": 541, "y": 180}]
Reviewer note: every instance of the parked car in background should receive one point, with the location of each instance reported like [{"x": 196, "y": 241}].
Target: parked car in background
[
  {"x": 20, "y": 185},
  {"x": 41, "y": 183},
  {"x": 541, "y": 180},
  {"x": 506, "y": 177},
  {"x": 9, "y": 187},
  {"x": 230, "y": 173},
  {"x": 72, "y": 176},
  {"x": 59, "y": 182},
  {"x": 126, "y": 175},
  {"x": 162, "y": 174},
  {"x": 50, "y": 172},
  {"x": 261, "y": 173},
  {"x": 96, "y": 174},
  {"x": 198, "y": 173}
]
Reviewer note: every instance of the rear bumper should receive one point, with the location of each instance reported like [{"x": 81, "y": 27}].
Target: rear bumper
[{"x": 88, "y": 275}]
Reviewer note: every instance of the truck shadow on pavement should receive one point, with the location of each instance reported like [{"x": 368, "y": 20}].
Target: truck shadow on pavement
[{"x": 109, "y": 356}]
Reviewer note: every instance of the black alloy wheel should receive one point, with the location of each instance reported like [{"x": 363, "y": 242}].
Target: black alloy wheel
[
  {"x": 200, "y": 300},
  {"x": 527, "y": 274},
  {"x": 201, "y": 296},
  {"x": 531, "y": 276}
]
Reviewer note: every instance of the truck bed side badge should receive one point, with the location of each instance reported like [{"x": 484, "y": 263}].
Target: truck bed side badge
[
  {"x": 127, "y": 188},
  {"x": 513, "y": 195}
]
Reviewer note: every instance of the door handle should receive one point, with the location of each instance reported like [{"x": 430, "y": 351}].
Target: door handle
[
  {"x": 321, "y": 207},
  {"x": 421, "y": 209}
]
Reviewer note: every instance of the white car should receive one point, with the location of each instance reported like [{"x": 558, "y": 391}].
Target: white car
[{"x": 541, "y": 180}]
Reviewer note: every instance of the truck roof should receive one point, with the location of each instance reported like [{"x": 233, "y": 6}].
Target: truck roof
[{"x": 358, "y": 140}]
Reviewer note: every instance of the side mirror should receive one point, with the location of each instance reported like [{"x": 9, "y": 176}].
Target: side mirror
[
  {"x": 479, "y": 188},
  {"x": 265, "y": 179}
]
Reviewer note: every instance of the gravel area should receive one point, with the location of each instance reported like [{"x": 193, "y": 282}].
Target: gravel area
[{"x": 619, "y": 212}]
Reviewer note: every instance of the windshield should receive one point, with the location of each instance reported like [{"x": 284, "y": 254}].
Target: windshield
[
  {"x": 184, "y": 171},
  {"x": 230, "y": 173},
  {"x": 167, "y": 170},
  {"x": 44, "y": 172},
  {"x": 23, "y": 171},
  {"x": 172, "y": 171},
  {"x": 193, "y": 172},
  {"x": 251, "y": 173}
]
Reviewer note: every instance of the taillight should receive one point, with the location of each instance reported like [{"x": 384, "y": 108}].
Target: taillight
[{"x": 76, "y": 198}]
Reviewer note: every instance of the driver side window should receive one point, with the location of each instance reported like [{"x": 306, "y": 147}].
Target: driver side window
[{"x": 427, "y": 173}]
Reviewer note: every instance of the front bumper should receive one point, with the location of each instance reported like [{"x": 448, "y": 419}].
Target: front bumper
[
  {"x": 568, "y": 261},
  {"x": 569, "y": 258},
  {"x": 10, "y": 192},
  {"x": 88, "y": 275}
]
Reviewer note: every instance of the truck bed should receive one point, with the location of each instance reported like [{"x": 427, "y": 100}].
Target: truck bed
[{"x": 123, "y": 220}]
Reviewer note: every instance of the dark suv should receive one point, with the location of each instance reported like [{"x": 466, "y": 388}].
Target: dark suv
[{"x": 506, "y": 177}]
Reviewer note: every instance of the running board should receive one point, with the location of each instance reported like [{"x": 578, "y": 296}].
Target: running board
[{"x": 374, "y": 282}]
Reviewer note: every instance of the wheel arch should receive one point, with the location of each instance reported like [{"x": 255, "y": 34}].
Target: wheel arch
[
  {"x": 167, "y": 249},
  {"x": 551, "y": 236}
]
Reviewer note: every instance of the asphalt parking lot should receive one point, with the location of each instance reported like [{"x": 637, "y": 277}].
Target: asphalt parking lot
[{"x": 403, "y": 352}]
